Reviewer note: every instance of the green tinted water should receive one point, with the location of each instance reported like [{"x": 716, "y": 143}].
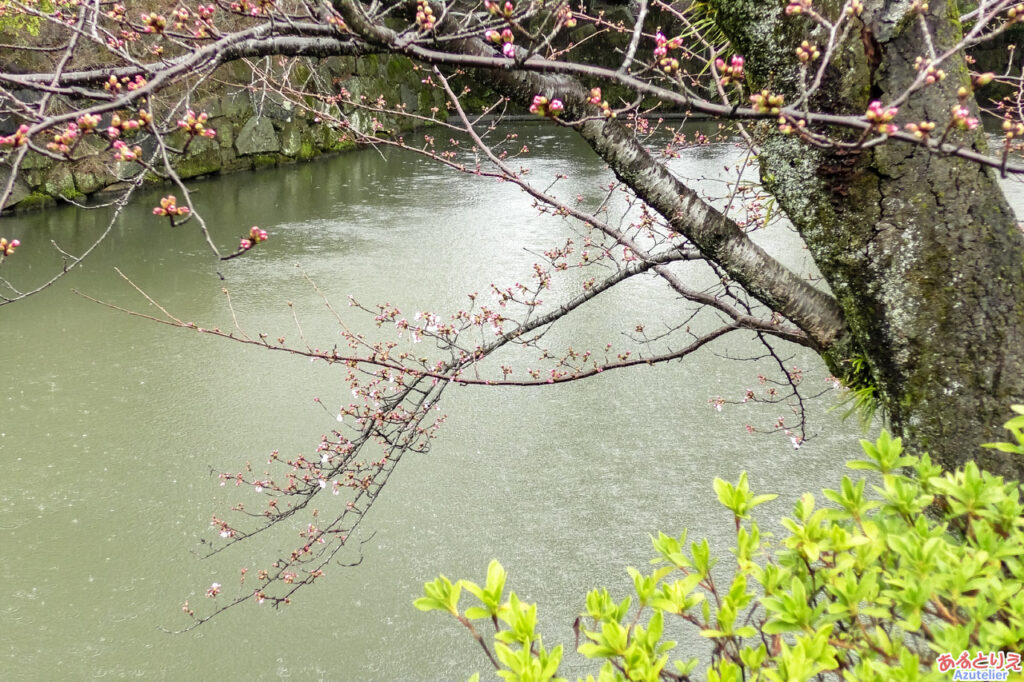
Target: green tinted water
[{"x": 109, "y": 426}]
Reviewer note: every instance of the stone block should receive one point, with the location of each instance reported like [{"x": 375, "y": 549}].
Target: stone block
[
  {"x": 19, "y": 191},
  {"x": 291, "y": 137},
  {"x": 92, "y": 175},
  {"x": 257, "y": 136},
  {"x": 60, "y": 183}
]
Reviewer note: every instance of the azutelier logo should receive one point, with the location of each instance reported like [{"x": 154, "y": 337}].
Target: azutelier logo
[{"x": 981, "y": 667}]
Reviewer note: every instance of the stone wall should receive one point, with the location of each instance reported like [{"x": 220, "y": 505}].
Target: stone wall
[{"x": 255, "y": 129}]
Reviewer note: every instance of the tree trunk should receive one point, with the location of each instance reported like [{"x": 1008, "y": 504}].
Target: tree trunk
[{"x": 922, "y": 252}]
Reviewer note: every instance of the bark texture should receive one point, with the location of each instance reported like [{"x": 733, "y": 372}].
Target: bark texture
[{"x": 922, "y": 252}]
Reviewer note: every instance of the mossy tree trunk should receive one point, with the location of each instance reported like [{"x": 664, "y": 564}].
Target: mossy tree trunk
[{"x": 922, "y": 252}]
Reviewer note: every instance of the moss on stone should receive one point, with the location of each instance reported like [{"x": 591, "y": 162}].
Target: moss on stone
[
  {"x": 398, "y": 69},
  {"x": 92, "y": 175},
  {"x": 265, "y": 161},
  {"x": 307, "y": 150},
  {"x": 368, "y": 65},
  {"x": 195, "y": 165},
  {"x": 35, "y": 201}
]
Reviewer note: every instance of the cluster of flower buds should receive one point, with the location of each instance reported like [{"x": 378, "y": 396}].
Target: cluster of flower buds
[
  {"x": 1013, "y": 129},
  {"x": 193, "y": 124},
  {"x": 663, "y": 44},
  {"x": 855, "y": 8},
  {"x": 206, "y": 11},
  {"x": 424, "y": 15},
  {"x": 932, "y": 74},
  {"x": 544, "y": 107},
  {"x": 117, "y": 126},
  {"x": 731, "y": 72},
  {"x": 87, "y": 123},
  {"x": 766, "y": 102},
  {"x": 169, "y": 207},
  {"x": 798, "y": 6},
  {"x": 807, "y": 52},
  {"x": 213, "y": 591},
  {"x": 920, "y": 130},
  {"x": 595, "y": 99},
  {"x": 181, "y": 16},
  {"x": 154, "y": 23},
  {"x": 63, "y": 142},
  {"x": 117, "y": 12},
  {"x": 505, "y": 39},
  {"x": 668, "y": 64},
  {"x": 122, "y": 152},
  {"x": 115, "y": 86},
  {"x": 135, "y": 83},
  {"x": 253, "y": 10},
  {"x": 566, "y": 16},
  {"x": 256, "y": 235},
  {"x": 962, "y": 118},
  {"x": 507, "y": 10},
  {"x": 789, "y": 126},
  {"x": 7, "y": 247},
  {"x": 1016, "y": 12},
  {"x": 662, "y": 47},
  {"x": 881, "y": 118},
  {"x": 983, "y": 79},
  {"x": 919, "y": 6},
  {"x": 18, "y": 138}
]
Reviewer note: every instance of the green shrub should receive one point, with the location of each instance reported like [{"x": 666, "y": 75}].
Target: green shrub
[
  {"x": 14, "y": 21},
  {"x": 877, "y": 586}
]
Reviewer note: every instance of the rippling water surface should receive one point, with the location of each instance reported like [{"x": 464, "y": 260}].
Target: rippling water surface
[{"x": 110, "y": 425}]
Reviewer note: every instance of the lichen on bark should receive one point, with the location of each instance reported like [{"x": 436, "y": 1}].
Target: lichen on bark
[{"x": 922, "y": 252}]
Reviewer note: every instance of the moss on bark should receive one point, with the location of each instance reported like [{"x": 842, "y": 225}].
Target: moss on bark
[{"x": 922, "y": 252}]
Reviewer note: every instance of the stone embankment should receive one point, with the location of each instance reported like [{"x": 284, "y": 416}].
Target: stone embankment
[{"x": 255, "y": 128}]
